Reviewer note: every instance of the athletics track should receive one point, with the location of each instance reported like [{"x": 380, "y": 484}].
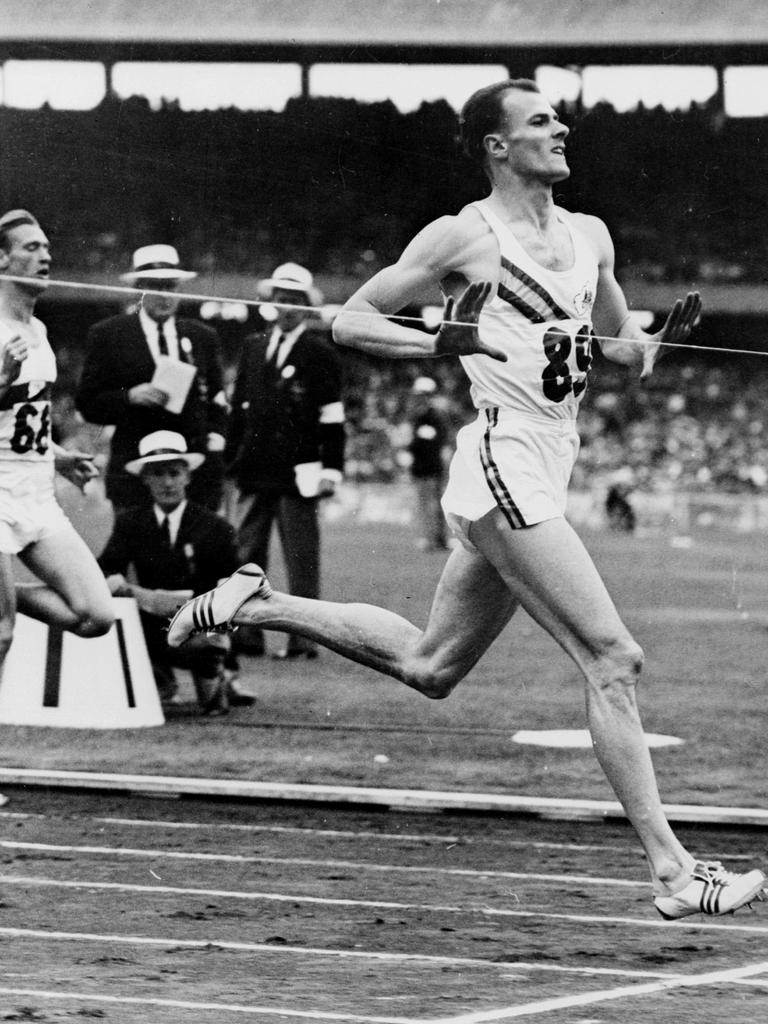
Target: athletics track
[{"x": 131, "y": 908}]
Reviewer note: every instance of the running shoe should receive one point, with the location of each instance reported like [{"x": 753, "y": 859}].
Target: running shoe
[
  {"x": 213, "y": 611},
  {"x": 712, "y": 890}
]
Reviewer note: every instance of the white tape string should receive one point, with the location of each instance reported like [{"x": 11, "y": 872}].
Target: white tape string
[{"x": 137, "y": 293}]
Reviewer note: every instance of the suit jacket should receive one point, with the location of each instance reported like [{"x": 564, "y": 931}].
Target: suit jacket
[
  {"x": 118, "y": 357},
  {"x": 276, "y": 421},
  {"x": 204, "y": 551}
]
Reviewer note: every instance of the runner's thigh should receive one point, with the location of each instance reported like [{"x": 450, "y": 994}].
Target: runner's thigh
[
  {"x": 471, "y": 606},
  {"x": 548, "y": 569}
]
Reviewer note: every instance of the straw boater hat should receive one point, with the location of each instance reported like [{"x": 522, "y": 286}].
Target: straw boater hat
[
  {"x": 163, "y": 446},
  {"x": 159, "y": 263},
  {"x": 291, "y": 277}
]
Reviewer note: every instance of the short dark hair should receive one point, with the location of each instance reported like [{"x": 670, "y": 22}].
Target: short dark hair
[
  {"x": 14, "y": 219},
  {"x": 482, "y": 114}
]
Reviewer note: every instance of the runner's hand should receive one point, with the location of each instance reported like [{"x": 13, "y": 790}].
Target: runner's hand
[
  {"x": 14, "y": 354},
  {"x": 77, "y": 467},
  {"x": 675, "y": 331},
  {"x": 458, "y": 335}
]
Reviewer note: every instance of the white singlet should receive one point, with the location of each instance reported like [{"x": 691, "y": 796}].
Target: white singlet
[
  {"x": 542, "y": 320},
  {"x": 25, "y": 408},
  {"x": 519, "y": 453},
  {"x": 28, "y": 507}
]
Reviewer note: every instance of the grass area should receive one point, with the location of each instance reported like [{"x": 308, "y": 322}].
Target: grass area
[{"x": 699, "y": 612}]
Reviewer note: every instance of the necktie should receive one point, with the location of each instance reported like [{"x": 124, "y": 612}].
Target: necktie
[
  {"x": 165, "y": 532},
  {"x": 273, "y": 350},
  {"x": 162, "y": 341}
]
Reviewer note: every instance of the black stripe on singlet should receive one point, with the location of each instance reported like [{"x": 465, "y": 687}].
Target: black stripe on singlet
[
  {"x": 493, "y": 477},
  {"x": 552, "y": 310},
  {"x": 520, "y": 305},
  {"x": 19, "y": 393}
]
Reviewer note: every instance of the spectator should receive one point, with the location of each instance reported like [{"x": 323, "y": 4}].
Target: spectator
[
  {"x": 285, "y": 447},
  {"x": 618, "y": 508},
  {"x": 175, "y": 549},
  {"x": 427, "y": 467},
  {"x": 119, "y": 384}
]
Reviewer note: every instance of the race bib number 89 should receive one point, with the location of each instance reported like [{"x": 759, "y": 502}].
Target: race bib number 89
[{"x": 558, "y": 377}]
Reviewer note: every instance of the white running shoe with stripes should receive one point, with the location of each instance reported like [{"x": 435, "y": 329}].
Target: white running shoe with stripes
[
  {"x": 213, "y": 611},
  {"x": 712, "y": 890}
]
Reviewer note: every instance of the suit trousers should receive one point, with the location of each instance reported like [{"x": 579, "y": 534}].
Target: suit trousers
[{"x": 299, "y": 531}]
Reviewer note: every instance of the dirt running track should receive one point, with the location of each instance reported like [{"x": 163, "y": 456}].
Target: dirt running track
[{"x": 128, "y": 910}]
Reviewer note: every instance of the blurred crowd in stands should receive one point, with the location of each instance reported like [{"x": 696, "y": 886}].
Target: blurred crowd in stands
[
  {"x": 695, "y": 426},
  {"x": 699, "y": 425},
  {"x": 342, "y": 185}
]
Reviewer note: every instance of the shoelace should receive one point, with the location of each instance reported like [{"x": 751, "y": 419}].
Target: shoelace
[
  {"x": 715, "y": 878},
  {"x": 712, "y": 871}
]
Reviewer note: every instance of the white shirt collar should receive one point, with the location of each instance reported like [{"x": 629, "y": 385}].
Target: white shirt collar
[
  {"x": 150, "y": 329},
  {"x": 174, "y": 518},
  {"x": 289, "y": 339}
]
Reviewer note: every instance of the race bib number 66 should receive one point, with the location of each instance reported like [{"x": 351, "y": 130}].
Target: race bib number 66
[{"x": 31, "y": 428}]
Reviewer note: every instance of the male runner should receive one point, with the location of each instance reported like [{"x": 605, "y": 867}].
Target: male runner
[
  {"x": 525, "y": 281},
  {"x": 72, "y": 594}
]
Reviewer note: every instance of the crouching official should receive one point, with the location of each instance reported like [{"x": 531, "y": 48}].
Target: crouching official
[{"x": 173, "y": 550}]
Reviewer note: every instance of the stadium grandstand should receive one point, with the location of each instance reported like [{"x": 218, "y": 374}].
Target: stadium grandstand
[{"x": 340, "y": 183}]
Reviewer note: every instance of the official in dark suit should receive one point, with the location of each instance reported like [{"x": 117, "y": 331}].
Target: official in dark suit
[
  {"x": 170, "y": 551},
  {"x": 285, "y": 444},
  {"x": 117, "y": 386}
]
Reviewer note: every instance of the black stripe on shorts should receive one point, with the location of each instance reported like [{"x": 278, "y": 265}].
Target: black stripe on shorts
[{"x": 493, "y": 477}]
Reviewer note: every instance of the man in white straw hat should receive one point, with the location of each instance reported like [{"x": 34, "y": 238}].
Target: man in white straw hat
[
  {"x": 174, "y": 549},
  {"x": 72, "y": 594},
  {"x": 285, "y": 446},
  {"x": 130, "y": 356}
]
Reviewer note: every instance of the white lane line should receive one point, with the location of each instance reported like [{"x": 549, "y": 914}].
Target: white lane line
[
  {"x": 331, "y": 833},
  {"x": 183, "y": 1004},
  {"x": 733, "y": 974},
  {"x": 426, "y": 837},
  {"x": 379, "y": 904},
  {"x": 313, "y": 951},
  {"x": 349, "y": 865}
]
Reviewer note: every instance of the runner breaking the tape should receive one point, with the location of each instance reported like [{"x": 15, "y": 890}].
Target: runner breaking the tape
[{"x": 525, "y": 281}]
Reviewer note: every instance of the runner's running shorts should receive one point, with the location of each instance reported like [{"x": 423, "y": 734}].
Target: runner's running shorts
[{"x": 513, "y": 461}]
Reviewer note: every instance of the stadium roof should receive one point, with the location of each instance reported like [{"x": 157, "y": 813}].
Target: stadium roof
[{"x": 362, "y": 28}]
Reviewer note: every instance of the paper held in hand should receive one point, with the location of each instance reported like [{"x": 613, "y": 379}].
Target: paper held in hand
[
  {"x": 175, "y": 378},
  {"x": 308, "y": 478}
]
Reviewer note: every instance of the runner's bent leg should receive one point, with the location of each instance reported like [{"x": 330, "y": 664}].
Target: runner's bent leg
[
  {"x": 75, "y": 595},
  {"x": 470, "y": 608},
  {"x": 550, "y": 572},
  {"x": 7, "y": 605}
]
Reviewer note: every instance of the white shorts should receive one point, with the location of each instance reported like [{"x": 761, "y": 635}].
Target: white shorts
[
  {"x": 29, "y": 511},
  {"x": 508, "y": 460}
]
